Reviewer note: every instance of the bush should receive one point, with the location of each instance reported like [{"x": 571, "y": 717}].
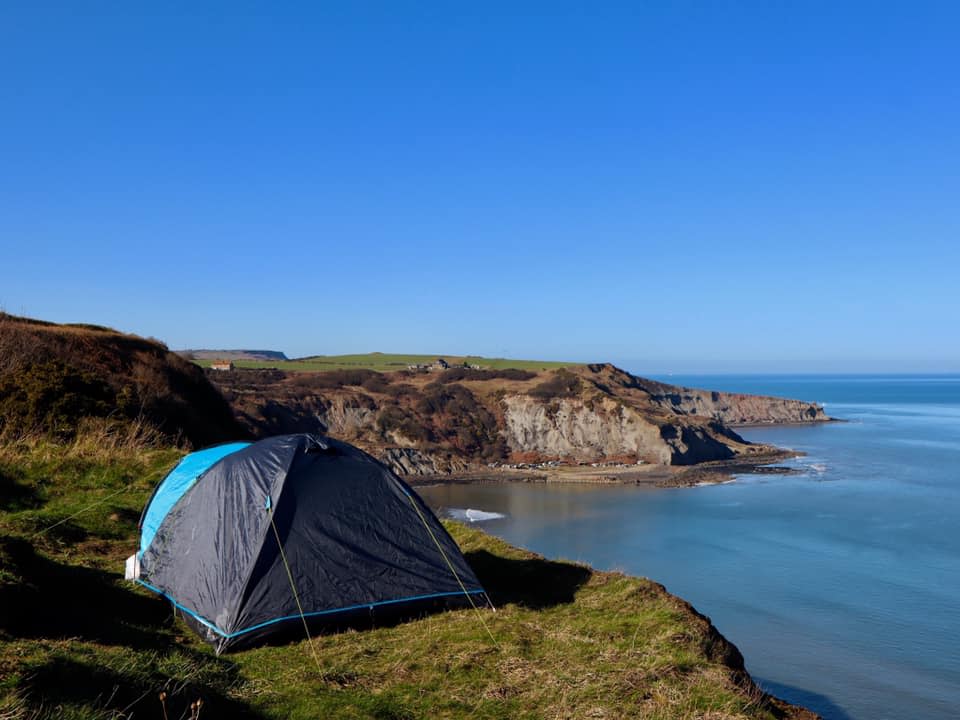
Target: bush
[
  {"x": 333, "y": 379},
  {"x": 394, "y": 419},
  {"x": 460, "y": 420},
  {"x": 399, "y": 390},
  {"x": 563, "y": 384},
  {"x": 461, "y": 373},
  {"x": 52, "y": 397},
  {"x": 97, "y": 373}
]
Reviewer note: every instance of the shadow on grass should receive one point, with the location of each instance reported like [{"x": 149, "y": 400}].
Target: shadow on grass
[
  {"x": 43, "y": 599},
  {"x": 534, "y": 583},
  {"x": 55, "y": 600},
  {"x": 531, "y": 582},
  {"x": 360, "y": 620},
  {"x": 128, "y": 692},
  {"x": 15, "y": 496}
]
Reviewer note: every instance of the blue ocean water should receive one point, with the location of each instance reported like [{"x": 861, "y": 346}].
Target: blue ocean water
[{"x": 840, "y": 585}]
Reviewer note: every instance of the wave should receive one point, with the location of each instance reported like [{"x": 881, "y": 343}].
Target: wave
[{"x": 472, "y": 515}]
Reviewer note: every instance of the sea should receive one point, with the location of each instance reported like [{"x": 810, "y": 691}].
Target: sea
[{"x": 840, "y": 584}]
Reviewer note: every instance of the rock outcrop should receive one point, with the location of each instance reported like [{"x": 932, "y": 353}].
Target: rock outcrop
[
  {"x": 602, "y": 429},
  {"x": 581, "y": 430},
  {"x": 728, "y": 408},
  {"x": 409, "y": 461},
  {"x": 737, "y": 408}
]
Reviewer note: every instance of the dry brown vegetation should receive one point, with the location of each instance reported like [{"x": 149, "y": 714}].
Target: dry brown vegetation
[{"x": 55, "y": 377}]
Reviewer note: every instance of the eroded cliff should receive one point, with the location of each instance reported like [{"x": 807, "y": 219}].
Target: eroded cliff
[{"x": 430, "y": 423}]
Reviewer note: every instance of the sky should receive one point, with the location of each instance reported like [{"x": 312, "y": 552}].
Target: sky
[{"x": 671, "y": 186}]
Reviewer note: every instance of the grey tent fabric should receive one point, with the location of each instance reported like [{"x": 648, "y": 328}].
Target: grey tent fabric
[{"x": 355, "y": 538}]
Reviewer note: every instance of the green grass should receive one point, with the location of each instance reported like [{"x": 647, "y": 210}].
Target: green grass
[
  {"x": 76, "y": 641},
  {"x": 386, "y": 362}
]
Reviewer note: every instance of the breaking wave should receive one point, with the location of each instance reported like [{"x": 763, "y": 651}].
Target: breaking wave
[{"x": 471, "y": 515}]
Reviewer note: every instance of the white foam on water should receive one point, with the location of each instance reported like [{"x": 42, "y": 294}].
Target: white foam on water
[
  {"x": 710, "y": 483},
  {"x": 472, "y": 515}
]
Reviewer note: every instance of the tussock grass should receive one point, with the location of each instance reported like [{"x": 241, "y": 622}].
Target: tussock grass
[
  {"x": 76, "y": 641},
  {"x": 98, "y": 439}
]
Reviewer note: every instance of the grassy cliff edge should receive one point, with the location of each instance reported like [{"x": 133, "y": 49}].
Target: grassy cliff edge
[{"x": 76, "y": 641}]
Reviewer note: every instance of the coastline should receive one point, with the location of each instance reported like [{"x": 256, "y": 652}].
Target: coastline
[
  {"x": 660, "y": 476},
  {"x": 789, "y": 423}
]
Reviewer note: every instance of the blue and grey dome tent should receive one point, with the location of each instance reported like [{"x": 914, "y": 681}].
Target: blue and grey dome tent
[{"x": 249, "y": 540}]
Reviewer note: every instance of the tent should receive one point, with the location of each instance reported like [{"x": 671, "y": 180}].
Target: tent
[{"x": 251, "y": 540}]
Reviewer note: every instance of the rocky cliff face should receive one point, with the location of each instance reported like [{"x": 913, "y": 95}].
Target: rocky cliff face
[
  {"x": 581, "y": 430},
  {"x": 439, "y": 423},
  {"x": 409, "y": 461},
  {"x": 736, "y": 408},
  {"x": 728, "y": 408},
  {"x": 604, "y": 429}
]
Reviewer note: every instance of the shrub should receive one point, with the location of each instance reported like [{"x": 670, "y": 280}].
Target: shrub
[
  {"x": 459, "y": 419},
  {"x": 97, "y": 373},
  {"x": 562, "y": 384},
  {"x": 333, "y": 379},
  {"x": 52, "y": 396},
  {"x": 461, "y": 373},
  {"x": 399, "y": 390},
  {"x": 395, "y": 419}
]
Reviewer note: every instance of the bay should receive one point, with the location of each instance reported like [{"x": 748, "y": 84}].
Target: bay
[{"x": 840, "y": 584}]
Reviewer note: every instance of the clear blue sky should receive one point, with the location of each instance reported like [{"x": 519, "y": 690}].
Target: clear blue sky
[{"x": 688, "y": 187}]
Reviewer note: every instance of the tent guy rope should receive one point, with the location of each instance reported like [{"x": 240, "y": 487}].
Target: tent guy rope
[
  {"x": 296, "y": 595},
  {"x": 457, "y": 576}
]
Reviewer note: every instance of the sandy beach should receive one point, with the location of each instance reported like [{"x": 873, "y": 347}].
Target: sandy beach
[{"x": 652, "y": 475}]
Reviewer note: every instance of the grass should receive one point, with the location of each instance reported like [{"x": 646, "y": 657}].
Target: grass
[
  {"x": 386, "y": 362},
  {"x": 76, "y": 641}
]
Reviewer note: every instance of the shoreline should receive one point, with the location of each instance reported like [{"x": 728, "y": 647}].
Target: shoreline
[
  {"x": 788, "y": 423},
  {"x": 659, "y": 476}
]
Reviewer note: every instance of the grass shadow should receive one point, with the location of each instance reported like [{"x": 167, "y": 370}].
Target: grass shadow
[
  {"x": 15, "y": 496},
  {"x": 534, "y": 583},
  {"x": 56, "y": 600},
  {"x": 127, "y": 692},
  {"x": 359, "y": 620}
]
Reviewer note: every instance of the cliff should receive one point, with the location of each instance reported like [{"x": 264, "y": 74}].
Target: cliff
[
  {"x": 429, "y": 423},
  {"x": 55, "y": 378},
  {"x": 732, "y": 408}
]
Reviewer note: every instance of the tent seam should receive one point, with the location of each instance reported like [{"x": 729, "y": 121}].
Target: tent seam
[{"x": 275, "y": 502}]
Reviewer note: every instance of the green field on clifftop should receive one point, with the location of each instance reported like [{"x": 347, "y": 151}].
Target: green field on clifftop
[{"x": 387, "y": 362}]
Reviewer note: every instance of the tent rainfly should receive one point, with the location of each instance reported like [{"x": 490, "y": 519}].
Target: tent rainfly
[{"x": 251, "y": 540}]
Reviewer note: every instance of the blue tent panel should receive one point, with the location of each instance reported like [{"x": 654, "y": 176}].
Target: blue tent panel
[{"x": 174, "y": 485}]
